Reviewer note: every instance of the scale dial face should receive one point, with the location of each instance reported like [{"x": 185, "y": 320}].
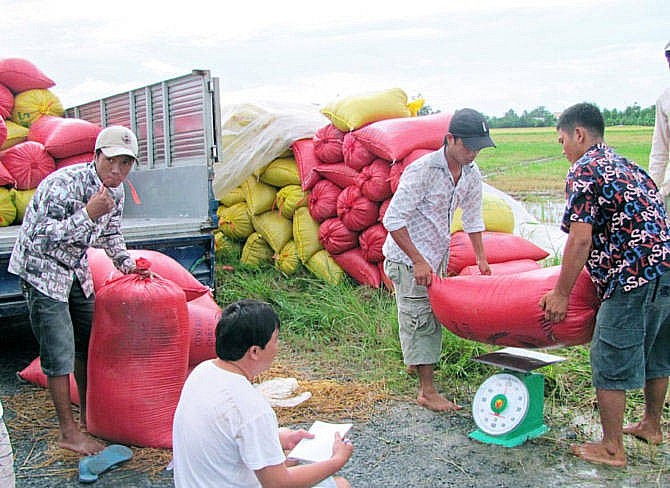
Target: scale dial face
[{"x": 500, "y": 404}]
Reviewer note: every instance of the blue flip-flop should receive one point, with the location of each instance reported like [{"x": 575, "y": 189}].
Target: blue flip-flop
[{"x": 111, "y": 456}]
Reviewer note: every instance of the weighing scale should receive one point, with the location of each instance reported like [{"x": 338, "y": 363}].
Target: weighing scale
[{"x": 508, "y": 407}]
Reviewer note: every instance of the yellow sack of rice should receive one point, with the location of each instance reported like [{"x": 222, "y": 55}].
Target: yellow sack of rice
[
  {"x": 323, "y": 266},
  {"x": 15, "y": 134},
  {"x": 235, "y": 222},
  {"x": 259, "y": 196},
  {"x": 32, "y": 104},
  {"x": 289, "y": 198},
  {"x": 256, "y": 251},
  {"x": 21, "y": 199},
  {"x": 305, "y": 234},
  {"x": 276, "y": 229},
  {"x": 355, "y": 111},
  {"x": 7, "y": 207},
  {"x": 281, "y": 172},
  {"x": 498, "y": 215},
  {"x": 236, "y": 195},
  {"x": 225, "y": 245},
  {"x": 287, "y": 260}
]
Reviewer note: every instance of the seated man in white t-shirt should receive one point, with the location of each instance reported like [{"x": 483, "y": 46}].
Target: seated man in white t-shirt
[{"x": 225, "y": 432}]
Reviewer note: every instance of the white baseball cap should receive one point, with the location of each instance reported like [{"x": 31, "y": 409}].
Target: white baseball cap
[{"x": 117, "y": 140}]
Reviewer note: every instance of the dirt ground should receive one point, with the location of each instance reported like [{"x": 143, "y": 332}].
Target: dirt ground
[{"x": 400, "y": 445}]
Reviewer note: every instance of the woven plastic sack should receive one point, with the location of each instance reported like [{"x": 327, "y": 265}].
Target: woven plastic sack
[
  {"x": 225, "y": 245},
  {"x": 33, "y": 374},
  {"x": 305, "y": 234},
  {"x": 328, "y": 144},
  {"x": 382, "y": 209},
  {"x": 236, "y": 195},
  {"x": 393, "y": 139},
  {"x": 29, "y": 163},
  {"x": 289, "y": 198},
  {"x": 371, "y": 241},
  {"x": 21, "y": 200},
  {"x": 281, "y": 172},
  {"x": 335, "y": 237},
  {"x": 355, "y": 265},
  {"x": 355, "y": 210},
  {"x": 506, "y": 267},
  {"x": 76, "y": 159},
  {"x": 323, "y": 266},
  {"x": 6, "y": 102},
  {"x": 276, "y": 229},
  {"x": 64, "y": 137},
  {"x": 259, "y": 196},
  {"x": 15, "y": 134},
  {"x": 373, "y": 180},
  {"x": 32, "y": 104},
  {"x": 323, "y": 200},
  {"x": 287, "y": 260},
  {"x": 6, "y": 178},
  {"x": 398, "y": 167},
  {"x": 19, "y": 75},
  {"x": 497, "y": 214},
  {"x": 7, "y": 207},
  {"x": 203, "y": 315},
  {"x": 306, "y": 160},
  {"x": 256, "y": 251},
  {"x": 498, "y": 247},
  {"x": 502, "y": 309},
  {"x": 235, "y": 222},
  {"x": 350, "y": 113},
  {"x": 354, "y": 153},
  {"x": 138, "y": 360},
  {"x": 339, "y": 173},
  {"x": 3, "y": 131}
]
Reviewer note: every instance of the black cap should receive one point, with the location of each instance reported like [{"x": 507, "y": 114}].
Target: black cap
[{"x": 470, "y": 126}]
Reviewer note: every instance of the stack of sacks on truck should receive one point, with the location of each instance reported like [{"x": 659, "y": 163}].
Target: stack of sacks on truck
[{"x": 34, "y": 137}]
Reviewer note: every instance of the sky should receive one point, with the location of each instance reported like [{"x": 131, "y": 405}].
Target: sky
[{"x": 491, "y": 55}]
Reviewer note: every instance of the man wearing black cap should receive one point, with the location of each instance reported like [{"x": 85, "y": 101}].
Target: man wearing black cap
[
  {"x": 419, "y": 221},
  {"x": 660, "y": 144}
]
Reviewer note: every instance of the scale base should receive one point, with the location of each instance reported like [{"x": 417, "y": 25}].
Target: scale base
[{"x": 512, "y": 439}]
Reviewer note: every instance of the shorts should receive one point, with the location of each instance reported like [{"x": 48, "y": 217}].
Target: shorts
[
  {"x": 420, "y": 332},
  {"x": 62, "y": 329},
  {"x": 631, "y": 339}
]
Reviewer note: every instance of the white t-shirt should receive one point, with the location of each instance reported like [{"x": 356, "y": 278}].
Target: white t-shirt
[{"x": 223, "y": 430}]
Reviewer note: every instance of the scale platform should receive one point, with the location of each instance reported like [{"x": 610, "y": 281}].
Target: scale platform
[{"x": 508, "y": 407}]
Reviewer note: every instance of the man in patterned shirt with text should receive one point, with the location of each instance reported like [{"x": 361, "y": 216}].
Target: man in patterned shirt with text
[
  {"x": 73, "y": 208},
  {"x": 618, "y": 227},
  {"x": 419, "y": 222}
]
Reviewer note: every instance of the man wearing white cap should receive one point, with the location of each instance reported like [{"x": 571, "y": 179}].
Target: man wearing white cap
[
  {"x": 73, "y": 208},
  {"x": 660, "y": 144}
]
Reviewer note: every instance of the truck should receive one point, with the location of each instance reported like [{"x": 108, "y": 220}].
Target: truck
[{"x": 170, "y": 205}]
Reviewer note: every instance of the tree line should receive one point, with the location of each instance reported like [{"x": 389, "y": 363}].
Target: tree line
[{"x": 541, "y": 117}]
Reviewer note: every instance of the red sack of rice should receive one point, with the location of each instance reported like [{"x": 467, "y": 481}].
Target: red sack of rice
[
  {"x": 3, "y": 131},
  {"x": 76, "y": 159},
  {"x": 29, "y": 163},
  {"x": 355, "y": 265},
  {"x": 64, "y": 137},
  {"x": 328, "y": 144},
  {"x": 398, "y": 167},
  {"x": 339, "y": 173},
  {"x": 203, "y": 315},
  {"x": 498, "y": 247},
  {"x": 355, "y": 210},
  {"x": 33, "y": 374},
  {"x": 306, "y": 160},
  {"x": 335, "y": 237},
  {"x": 19, "y": 75},
  {"x": 6, "y": 179},
  {"x": 393, "y": 139},
  {"x": 323, "y": 200},
  {"x": 355, "y": 154},
  {"x": 506, "y": 267},
  {"x": 6, "y": 102},
  {"x": 371, "y": 241},
  {"x": 373, "y": 180},
  {"x": 382, "y": 209}
]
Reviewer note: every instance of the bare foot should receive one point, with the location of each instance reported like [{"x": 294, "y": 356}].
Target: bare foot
[
  {"x": 81, "y": 443},
  {"x": 595, "y": 452},
  {"x": 651, "y": 436},
  {"x": 437, "y": 403}
]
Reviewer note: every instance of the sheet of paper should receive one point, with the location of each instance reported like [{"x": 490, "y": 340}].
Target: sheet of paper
[{"x": 320, "y": 447}]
